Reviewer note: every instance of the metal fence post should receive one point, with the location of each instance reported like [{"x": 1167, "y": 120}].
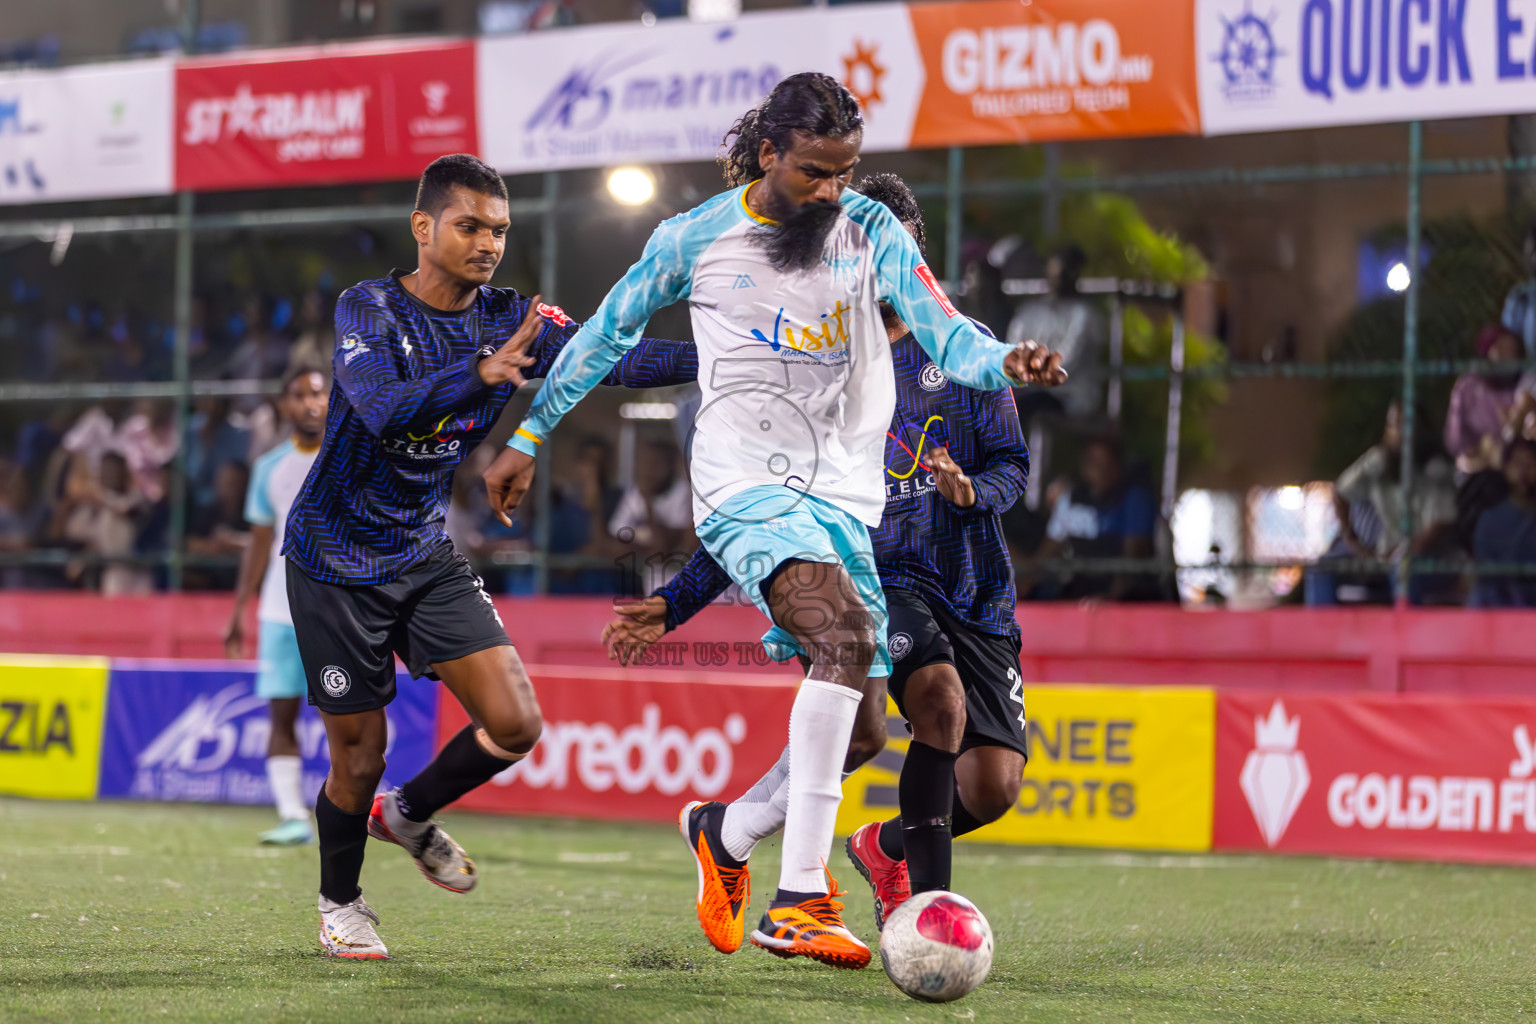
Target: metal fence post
[
  {"x": 1175, "y": 417},
  {"x": 548, "y": 273},
  {"x": 953, "y": 214},
  {"x": 1410, "y": 355},
  {"x": 182, "y": 355}
]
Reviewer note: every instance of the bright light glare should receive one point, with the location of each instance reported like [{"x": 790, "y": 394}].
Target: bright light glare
[
  {"x": 1291, "y": 499},
  {"x": 648, "y": 411},
  {"x": 631, "y": 185},
  {"x": 1398, "y": 277}
]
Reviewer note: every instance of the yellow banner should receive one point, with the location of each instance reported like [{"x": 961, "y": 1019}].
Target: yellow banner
[
  {"x": 1108, "y": 766},
  {"x": 51, "y": 715}
]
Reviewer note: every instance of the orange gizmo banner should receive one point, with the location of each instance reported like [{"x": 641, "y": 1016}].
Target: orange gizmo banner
[{"x": 1000, "y": 71}]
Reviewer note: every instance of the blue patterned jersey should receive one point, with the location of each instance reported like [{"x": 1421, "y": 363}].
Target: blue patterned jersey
[
  {"x": 407, "y": 406},
  {"x": 954, "y": 557}
]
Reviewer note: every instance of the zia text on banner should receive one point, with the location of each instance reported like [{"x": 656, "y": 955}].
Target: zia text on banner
[{"x": 51, "y": 714}]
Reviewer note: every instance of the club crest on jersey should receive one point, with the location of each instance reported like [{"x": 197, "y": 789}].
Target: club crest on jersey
[
  {"x": 352, "y": 346},
  {"x": 554, "y": 314},
  {"x": 335, "y": 681},
  {"x": 932, "y": 378},
  {"x": 899, "y": 645}
]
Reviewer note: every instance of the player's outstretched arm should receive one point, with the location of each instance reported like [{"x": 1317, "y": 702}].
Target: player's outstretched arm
[
  {"x": 638, "y": 624},
  {"x": 657, "y": 280},
  {"x": 368, "y": 369},
  {"x": 964, "y": 353},
  {"x": 653, "y": 363},
  {"x": 1003, "y": 479}
]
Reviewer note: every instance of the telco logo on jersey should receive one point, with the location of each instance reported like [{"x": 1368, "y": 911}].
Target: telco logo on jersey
[{"x": 442, "y": 441}]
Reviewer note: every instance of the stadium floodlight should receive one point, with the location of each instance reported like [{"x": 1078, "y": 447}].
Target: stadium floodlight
[
  {"x": 1398, "y": 277},
  {"x": 714, "y": 10},
  {"x": 632, "y": 186},
  {"x": 1291, "y": 498}
]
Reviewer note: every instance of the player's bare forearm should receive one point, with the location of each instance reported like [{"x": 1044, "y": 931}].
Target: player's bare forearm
[{"x": 253, "y": 564}]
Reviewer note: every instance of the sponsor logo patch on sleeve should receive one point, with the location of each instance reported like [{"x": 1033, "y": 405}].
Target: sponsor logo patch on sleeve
[
  {"x": 554, "y": 314},
  {"x": 932, "y": 284}
]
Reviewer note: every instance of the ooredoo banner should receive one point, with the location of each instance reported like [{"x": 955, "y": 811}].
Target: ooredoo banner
[
  {"x": 1312, "y": 63},
  {"x": 199, "y": 732},
  {"x": 86, "y": 133},
  {"x": 352, "y": 114},
  {"x": 51, "y": 713},
  {"x": 1108, "y": 766},
  {"x": 1417, "y": 778},
  {"x": 999, "y": 71},
  {"x": 620, "y": 746},
  {"x": 587, "y": 97}
]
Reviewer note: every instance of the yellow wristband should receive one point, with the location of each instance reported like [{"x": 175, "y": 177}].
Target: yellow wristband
[{"x": 523, "y": 433}]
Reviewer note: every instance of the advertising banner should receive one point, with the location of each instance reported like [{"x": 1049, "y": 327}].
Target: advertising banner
[
  {"x": 86, "y": 133},
  {"x": 1312, "y": 63},
  {"x": 999, "y": 71},
  {"x": 198, "y": 732},
  {"x": 1419, "y": 778},
  {"x": 51, "y": 711},
  {"x": 587, "y": 97},
  {"x": 306, "y": 116},
  {"x": 1108, "y": 766},
  {"x": 620, "y": 746}
]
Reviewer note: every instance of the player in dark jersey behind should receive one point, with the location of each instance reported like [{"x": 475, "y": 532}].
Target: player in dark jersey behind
[
  {"x": 424, "y": 363},
  {"x": 955, "y": 460}
]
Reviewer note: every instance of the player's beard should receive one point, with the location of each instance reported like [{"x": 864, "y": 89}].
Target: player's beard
[{"x": 797, "y": 241}]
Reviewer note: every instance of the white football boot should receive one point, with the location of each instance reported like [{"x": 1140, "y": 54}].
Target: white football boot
[
  {"x": 437, "y": 856},
  {"x": 346, "y": 930}
]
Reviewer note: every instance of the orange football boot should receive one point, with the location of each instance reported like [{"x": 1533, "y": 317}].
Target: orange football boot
[
  {"x": 724, "y": 891},
  {"x": 812, "y": 929}
]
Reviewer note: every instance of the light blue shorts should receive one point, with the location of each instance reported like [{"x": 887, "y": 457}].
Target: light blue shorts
[
  {"x": 282, "y": 671},
  {"x": 754, "y": 532}
]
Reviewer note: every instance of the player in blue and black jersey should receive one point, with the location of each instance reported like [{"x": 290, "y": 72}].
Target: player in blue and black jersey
[
  {"x": 424, "y": 363},
  {"x": 956, "y": 459}
]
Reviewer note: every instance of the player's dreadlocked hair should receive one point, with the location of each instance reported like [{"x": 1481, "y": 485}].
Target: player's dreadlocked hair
[
  {"x": 892, "y": 193},
  {"x": 809, "y": 102}
]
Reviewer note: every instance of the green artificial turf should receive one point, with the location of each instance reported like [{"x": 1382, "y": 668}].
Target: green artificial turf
[{"x": 135, "y": 912}]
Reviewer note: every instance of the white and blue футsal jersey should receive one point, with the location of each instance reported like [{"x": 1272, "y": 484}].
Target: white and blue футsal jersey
[{"x": 794, "y": 366}]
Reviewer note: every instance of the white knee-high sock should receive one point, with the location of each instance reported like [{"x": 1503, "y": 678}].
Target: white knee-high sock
[
  {"x": 759, "y": 812},
  {"x": 820, "y": 724},
  {"x": 285, "y": 774}
]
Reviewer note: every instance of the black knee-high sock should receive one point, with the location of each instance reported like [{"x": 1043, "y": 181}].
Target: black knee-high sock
[
  {"x": 926, "y": 791},
  {"x": 459, "y": 767},
  {"x": 343, "y": 837},
  {"x": 961, "y": 822}
]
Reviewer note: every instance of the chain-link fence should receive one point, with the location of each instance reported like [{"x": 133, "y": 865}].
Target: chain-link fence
[{"x": 1289, "y": 377}]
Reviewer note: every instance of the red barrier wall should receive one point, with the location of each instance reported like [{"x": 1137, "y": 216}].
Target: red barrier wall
[{"x": 1318, "y": 650}]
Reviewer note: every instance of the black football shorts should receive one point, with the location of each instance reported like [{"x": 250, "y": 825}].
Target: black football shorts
[
  {"x": 436, "y": 611},
  {"x": 921, "y": 633}
]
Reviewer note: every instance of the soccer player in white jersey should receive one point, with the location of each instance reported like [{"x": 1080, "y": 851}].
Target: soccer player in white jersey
[
  {"x": 783, "y": 275},
  {"x": 275, "y": 480}
]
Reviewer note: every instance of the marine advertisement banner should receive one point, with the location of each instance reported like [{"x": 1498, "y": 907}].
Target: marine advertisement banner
[
  {"x": 1314, "y": 63},
  {"x": 197, "y": 731},
  {"x": 620, "y": 746},
  {"x": 606, "y": 94},
  {"x": 374, "y": 112},
  {"x": 51, "y": 712},
  {"x": 1108, "y": 767},
  {"x": 86, "y": 133},
  {"x": 1392, "y": 776}
]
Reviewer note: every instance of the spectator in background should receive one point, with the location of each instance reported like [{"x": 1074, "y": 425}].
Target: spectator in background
[
  {"x": 1481, "y": 403},
  {"x": 102, "y": 516},
  {"x": 213, "y": 440},
  {"x": 1507, "y": 534},
  {"x": 262, "y": 353},
  {"x": 1066, "y": 322},
  {"x": 1105, "y": 514},
  {"x": 147, "y": 440},
  {"x": 220, "y": 529},
  {"x": 317, "y": 334},
  {"x": 654, "y": 517},
  {"x": 1520, "y": 307},
  {"x": 1376, "y": 478}
]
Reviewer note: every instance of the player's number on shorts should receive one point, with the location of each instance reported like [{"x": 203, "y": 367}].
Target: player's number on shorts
[{"x": 1016, "y": 693}]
